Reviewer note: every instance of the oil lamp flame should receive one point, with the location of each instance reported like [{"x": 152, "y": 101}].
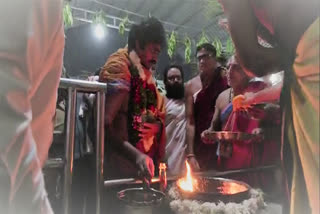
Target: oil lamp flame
[{"x": 187, "y": 183}]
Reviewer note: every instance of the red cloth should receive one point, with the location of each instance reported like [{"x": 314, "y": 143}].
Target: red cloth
[
  {"x": 204, "y": 107},
  {"x": 241, "y": 121},
  {"x": 250, "y": 153}
]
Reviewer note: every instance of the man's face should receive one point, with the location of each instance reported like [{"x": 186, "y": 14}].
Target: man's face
[
  {"x": 174, "y": 76},
  {"x": 174, "y": 84},
  {"x": 149, "y": 54},
  {"x": 206, "y": 61},
  {"x": 236, "y": 76}
]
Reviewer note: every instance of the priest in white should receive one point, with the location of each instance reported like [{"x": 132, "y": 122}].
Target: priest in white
[{"x": 175, "y": 121}]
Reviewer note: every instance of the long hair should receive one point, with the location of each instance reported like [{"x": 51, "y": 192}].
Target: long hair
[{"x": 148, "y": 31}]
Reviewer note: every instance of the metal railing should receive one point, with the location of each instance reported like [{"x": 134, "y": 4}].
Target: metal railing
[{"x": 73, "y": 87}]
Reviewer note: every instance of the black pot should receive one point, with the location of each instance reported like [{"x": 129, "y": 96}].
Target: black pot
[{"x": 140, "y": 200}]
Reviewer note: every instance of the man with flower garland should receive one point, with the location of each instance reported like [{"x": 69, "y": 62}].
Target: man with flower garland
[{"x": 134, "y": 113}]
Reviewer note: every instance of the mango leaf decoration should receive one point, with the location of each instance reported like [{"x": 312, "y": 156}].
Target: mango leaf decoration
[
  {"x": 172, "y": 44},
  {"x": 187, "y": 51},
  {"x": 203, "y": 39},
  {"x": 230, "y": 50},
  {"x": 67, "y": 16},
  {"x": 218, "y": 45},
  {"x": 99, "y": 18},
  {"x": 123, "y": 24}
]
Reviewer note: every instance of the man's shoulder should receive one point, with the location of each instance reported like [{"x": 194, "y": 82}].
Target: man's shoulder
[
  {"x": 116, "y": 67},
  {"x": 193, "y": 85},
  {"x": 194, "y": 80},
  {"x": 223, "y": 95},
  {"x": 225, "y": 92}
]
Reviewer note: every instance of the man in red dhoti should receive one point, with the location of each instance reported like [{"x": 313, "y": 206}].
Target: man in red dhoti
[{"x": 200, "y": 106}]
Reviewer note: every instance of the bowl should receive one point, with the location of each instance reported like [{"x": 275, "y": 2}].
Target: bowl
[
  {"x": 212, "y": 189},
  {"x": 140, "y": 197}
]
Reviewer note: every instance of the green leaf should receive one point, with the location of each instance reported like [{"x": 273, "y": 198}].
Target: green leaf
[
  {"x": 203, "y": 39},
  {"x": 230, "y": 50},
  {"x": 123, "y": 24},
  {"x": 67, "y": 16},
  {"x": 172, "y": 44},
  {"x": 99, "y": 18},
  {"x": 121, "y": 29},
  {"x": 187, "y": 52},
  {"x": 218, "y": 45}
]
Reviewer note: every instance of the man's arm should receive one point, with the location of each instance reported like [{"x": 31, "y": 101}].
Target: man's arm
[
  {"x": 256, "y": 60},
  {"x": 190, "y": 128},
  {"x": 116, "y": 124}
]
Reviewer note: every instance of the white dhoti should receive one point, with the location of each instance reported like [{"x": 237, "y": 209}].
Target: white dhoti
[{"x": 175, "y": 132}]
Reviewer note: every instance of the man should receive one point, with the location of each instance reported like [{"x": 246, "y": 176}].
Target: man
[
  {"x": 296, "y": 51},
  {"x": 31, "y": 53},
  {"x": 200, "y": 106},
  {"x": 175, "y": 119},
  {"x": 134, "y": 114}
]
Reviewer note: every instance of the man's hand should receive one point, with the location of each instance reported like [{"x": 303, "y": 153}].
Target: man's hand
[
  {"x": 149, "y": 129},
  {"x": 145, "y": 166},
  {"x": 194, "y": 164}
]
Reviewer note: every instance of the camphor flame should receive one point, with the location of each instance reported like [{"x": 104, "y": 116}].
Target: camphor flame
[
  {"x": 187, "y": 183},
  {"x": 231, "y": 188}
]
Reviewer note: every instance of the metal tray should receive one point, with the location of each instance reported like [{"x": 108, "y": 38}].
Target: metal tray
[{"x": 229, "y": 136}]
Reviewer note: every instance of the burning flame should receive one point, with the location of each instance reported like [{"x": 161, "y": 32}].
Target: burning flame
[
  {"x": 231, "y": 188},
  {"x": 187, "y": 183}
]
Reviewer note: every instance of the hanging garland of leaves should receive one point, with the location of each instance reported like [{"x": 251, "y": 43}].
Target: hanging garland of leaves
[
  {"x": 218, "y": 45},
  {"x": 203, "y": 39},
  {"x": 123, "y": 24},
  {"x": 172, "y": 44},
  {"x": 99, "y": 18},
  {"x": 230, "y": 50},
  {"x": 187, "y": 51},
  {"x": 67, "y": 16}
]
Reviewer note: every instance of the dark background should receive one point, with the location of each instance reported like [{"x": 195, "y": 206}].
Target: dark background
[{"x": 85, "y": 53}]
